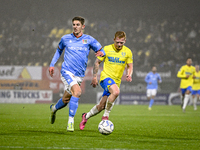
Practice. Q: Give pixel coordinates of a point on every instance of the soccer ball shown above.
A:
(106, 127)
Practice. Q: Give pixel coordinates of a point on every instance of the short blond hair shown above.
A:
(120, 34)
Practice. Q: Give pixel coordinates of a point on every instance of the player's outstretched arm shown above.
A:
(129, 72)
(94, 82)
(54, 60)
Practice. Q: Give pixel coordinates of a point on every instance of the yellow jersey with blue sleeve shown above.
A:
(115, 62)
(196, 82)
(183, 72)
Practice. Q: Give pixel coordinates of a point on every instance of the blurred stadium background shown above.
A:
(161, 33)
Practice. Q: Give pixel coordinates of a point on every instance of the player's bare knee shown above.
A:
(76, 93)
(116, 93)
(187, 92)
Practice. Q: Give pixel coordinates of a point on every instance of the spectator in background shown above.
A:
(153, 35)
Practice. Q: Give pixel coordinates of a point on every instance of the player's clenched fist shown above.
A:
(51, 71)
(99, 53)
(94, 82)
(128, 78)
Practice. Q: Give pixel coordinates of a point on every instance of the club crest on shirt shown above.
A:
(123, 54)
(84, 41)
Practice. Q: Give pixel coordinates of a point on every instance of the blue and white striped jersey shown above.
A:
(153, 78)
(76, 52)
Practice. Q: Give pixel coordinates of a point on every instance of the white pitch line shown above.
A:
(23, 147)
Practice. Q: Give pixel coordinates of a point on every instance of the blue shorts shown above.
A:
(194, 92)
(105, 84)
(188, 88)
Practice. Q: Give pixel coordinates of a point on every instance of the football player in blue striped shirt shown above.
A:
(77, 47)
(152, 79)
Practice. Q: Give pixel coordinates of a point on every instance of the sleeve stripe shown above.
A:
(100, 49)
(59, 48)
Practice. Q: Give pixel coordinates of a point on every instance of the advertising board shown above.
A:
(26, 96)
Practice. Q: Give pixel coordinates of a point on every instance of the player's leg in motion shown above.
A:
(194, 100)
(183, 91)
(182, 99)
(150, 97)
(94, 111)
(73, 106)
(114, 92)
(111, 91)
(151, 102)
(195, 97)
(186, 99)
(153, 94)
(59, 105)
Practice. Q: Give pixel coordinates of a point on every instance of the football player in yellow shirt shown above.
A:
(186, 73)
(117, 57)
(196, 87)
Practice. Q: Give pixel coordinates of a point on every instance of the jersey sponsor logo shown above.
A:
(84, 41)
(123, 54)
(77, 48)
(115, 60)
(188, 73)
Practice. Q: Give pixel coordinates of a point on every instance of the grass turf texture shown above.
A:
(27, 126)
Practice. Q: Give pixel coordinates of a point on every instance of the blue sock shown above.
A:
(60, 104)
(151, 102)
(73, 105)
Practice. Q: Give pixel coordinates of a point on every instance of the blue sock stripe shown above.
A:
(60, 104)
(73, 106)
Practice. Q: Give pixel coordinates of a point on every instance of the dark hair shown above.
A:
(188, 58)
(81, 19)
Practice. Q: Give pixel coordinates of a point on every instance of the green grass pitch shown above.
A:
(27, 126)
